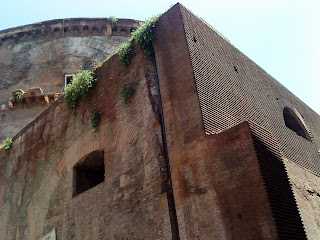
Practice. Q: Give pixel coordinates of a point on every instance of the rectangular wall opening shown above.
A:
(88, 172)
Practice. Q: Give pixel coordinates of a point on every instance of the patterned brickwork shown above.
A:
(281, 199)
(41, 54)
(36, 176)
(218, 187)
(232, 89)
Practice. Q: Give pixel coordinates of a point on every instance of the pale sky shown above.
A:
(281, 36)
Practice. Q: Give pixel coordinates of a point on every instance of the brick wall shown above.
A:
(228, 148)
(208, 87)
(213, 177)
(39, 55)
(232, 89)
(37, 174)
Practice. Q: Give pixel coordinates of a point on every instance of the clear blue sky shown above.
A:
(282, 36)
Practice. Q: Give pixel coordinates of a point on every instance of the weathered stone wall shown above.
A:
(212, 176)
(39, 55)
(306, 188)
(13, 120)
(44, 62)
(207, 87)
(232, 89)
(230, 179)
(37, 174)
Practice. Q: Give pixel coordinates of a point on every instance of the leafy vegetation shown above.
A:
(128, 90)
(7, 144)
(95, 119)
(79, 88)
(19, 96)
(125, 53)
(97, 63)
(112, 20)
(144, 38)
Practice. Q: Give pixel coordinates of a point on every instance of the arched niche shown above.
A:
(293, 120)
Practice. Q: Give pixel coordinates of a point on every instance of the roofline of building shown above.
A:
(65, 22)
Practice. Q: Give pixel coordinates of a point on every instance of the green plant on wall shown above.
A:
(79, 88)
(128, 90)
(19, 96)
(144, 38)
(125, 53)
(112, 20)
(95, 119)
(7, 144)
(97, 63)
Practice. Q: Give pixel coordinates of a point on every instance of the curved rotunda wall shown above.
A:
(41, 54)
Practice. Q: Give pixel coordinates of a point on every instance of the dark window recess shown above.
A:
(293, 122)
(69, 79)
(88, 172)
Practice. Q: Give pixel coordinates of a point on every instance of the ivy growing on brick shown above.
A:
(144, 39)
(95, 119)
(79, 88)
(125, 53)
(144, 36)
(7, 144)
(128, 90)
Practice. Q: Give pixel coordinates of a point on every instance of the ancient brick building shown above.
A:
(209, 147)
(39, 59)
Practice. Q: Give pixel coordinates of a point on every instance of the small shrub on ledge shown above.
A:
(112, 20)
(19, 96)
(144, 38)
(79, 88)
(7, 144)
(125, 53)
(97, 63)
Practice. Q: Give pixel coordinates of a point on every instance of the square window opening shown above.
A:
(88, 172)
(68, 79)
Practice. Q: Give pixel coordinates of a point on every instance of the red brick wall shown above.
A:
(218, 190)
(232, 89)
(219, 184)
(40, 54)
(37, 179)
